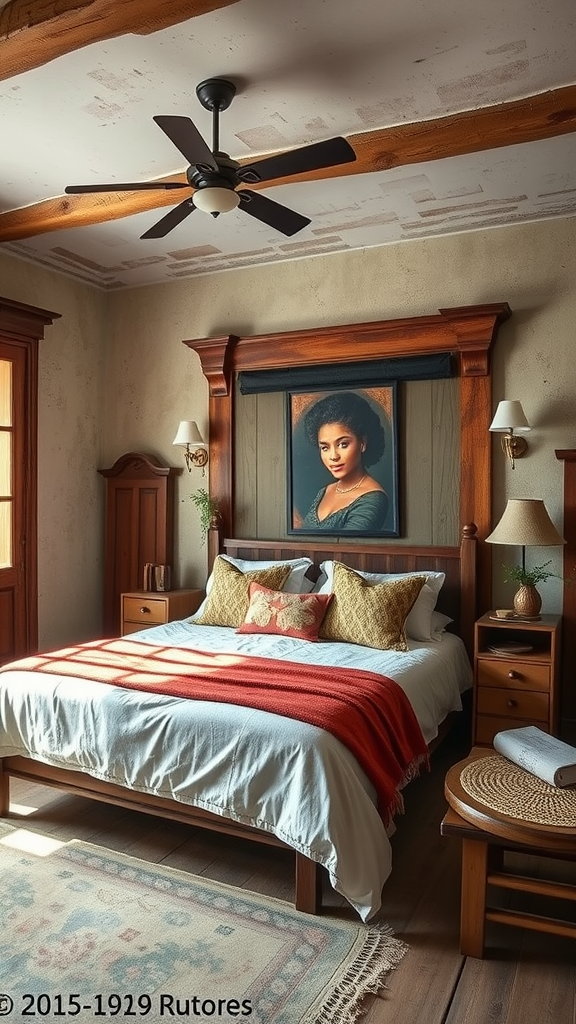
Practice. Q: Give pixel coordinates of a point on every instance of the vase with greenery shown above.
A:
(527, 600)
(208, 510)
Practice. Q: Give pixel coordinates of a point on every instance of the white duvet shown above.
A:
(286, 777)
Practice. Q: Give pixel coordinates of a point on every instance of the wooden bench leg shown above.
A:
(473, 907)
(308, 885)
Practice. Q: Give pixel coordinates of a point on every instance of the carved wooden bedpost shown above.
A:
(216, 361)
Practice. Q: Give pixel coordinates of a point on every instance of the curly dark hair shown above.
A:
(356, 413)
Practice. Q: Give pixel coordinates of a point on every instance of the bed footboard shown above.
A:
(308, 889)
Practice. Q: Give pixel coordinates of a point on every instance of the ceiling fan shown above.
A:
(215, 177)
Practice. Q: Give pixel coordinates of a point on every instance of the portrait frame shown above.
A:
(307, 475)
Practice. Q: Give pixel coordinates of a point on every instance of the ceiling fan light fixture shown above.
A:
(215, 200)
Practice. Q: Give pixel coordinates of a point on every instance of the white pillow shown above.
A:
(439, 624)
(419, 622)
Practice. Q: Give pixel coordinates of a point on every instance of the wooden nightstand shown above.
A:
(515, 689)
(142, 608)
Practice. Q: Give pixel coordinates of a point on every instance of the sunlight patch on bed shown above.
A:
(31, 842)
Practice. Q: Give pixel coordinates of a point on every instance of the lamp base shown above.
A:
(513, 446)
(195, 457)
(527, 602)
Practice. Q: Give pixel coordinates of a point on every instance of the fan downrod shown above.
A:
(216, 93)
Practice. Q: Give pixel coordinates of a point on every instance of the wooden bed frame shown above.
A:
(457, 600)
(468, 333)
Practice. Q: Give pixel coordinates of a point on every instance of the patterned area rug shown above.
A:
(87, 934)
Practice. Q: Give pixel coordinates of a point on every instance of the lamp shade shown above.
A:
(510, 416)
(526, 523)
(188, 435)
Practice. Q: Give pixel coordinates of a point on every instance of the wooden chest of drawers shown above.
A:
(142, 608)
(512, 689)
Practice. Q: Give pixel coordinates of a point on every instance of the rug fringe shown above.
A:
(380, 954)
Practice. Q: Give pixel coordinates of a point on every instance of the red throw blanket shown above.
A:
(367, 712)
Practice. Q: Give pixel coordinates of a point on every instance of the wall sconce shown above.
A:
(189, 437)
(509, 417)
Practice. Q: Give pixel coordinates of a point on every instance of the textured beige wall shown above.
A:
(71, 385)
(115, 376)
(153, 380)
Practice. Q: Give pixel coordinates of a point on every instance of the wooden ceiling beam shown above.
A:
(544, 116)
(34, 32)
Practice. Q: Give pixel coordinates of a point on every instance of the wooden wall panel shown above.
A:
(246, 463)
(416, 461)
(271, 490)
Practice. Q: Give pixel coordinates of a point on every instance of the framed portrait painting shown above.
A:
(342, 462)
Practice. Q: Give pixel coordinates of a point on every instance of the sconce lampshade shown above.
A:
(526, 523)
(509, 416)
(188, 435)
(509, 420)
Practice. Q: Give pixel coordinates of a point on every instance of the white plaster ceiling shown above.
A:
(306, 71)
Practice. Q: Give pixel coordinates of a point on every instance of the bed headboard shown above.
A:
(457, 597)
(467, 333)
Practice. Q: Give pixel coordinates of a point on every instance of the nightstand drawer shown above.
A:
(145, 611)
(488, 725)
(513, 704)
(516, 687)
(511, 674)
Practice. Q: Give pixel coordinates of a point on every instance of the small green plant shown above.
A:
(529, 577)
(208, 509)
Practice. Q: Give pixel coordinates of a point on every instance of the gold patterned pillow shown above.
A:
(227, 602)
(373, 616)
(295, 615)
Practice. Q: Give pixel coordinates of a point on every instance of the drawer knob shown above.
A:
(512, 674)
(144, 610)
(512, 703)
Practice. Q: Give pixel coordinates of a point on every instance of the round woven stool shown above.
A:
(497, 806)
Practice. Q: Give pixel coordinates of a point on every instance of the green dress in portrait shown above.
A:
(366, 514)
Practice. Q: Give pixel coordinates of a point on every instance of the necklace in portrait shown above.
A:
(346, 490)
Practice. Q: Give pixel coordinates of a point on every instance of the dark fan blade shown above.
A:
(171, 220)
(135, 186)
(308, 158)
(271, 213)
(186, 137)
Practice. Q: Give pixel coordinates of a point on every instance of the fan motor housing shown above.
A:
(201, 176)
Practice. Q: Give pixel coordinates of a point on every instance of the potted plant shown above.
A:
(208, 510)
(527, 600)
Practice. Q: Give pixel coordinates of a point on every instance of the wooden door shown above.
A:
(13, 591)
(21, 327)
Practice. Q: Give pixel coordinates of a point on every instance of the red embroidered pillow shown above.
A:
(275, 611)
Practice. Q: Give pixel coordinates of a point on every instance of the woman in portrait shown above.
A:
(349, 438)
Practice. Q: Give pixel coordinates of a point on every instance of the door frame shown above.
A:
(22, 326)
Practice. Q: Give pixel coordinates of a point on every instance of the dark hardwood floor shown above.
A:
(525, 977)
